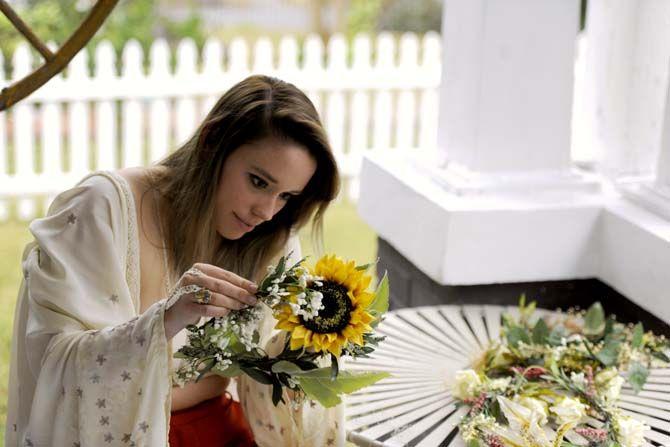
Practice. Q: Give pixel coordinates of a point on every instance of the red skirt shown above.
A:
(216, 422)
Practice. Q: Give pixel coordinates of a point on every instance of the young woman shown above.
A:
(126, 260)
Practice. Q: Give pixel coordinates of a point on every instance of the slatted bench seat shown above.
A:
(427, 345)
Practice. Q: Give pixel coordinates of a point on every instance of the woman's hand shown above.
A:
(195, 392)
(228, 291)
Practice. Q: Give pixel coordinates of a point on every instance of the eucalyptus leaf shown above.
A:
(594, 320)
(517, 334)
(637, 376)
(638, 334)
(556, 336)
(540, 332)
(318, 385)
(380, 303)
(609, 353)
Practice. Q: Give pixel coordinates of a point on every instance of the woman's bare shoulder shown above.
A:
(136, 176)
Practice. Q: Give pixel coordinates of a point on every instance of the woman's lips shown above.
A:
(243, 224)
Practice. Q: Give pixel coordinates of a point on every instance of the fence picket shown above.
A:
(212, 72)
(239, 58)
(263, 54)
(431, 56)
(106, 122)
(52, 139)
(78, 117)
(186, 105)
(132, 122)
(288, 58)
(383, 100)
(335, 116)
(313, 68)
(24, 139)
(406, 109)
(359, 113)
(159, 112)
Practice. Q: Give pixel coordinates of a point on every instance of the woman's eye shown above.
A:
(286, 196)
(257, 181)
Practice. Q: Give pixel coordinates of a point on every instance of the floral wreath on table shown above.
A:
(325, 313)
(555, 381)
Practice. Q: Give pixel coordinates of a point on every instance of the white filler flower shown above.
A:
(568, 410)
(466, 384)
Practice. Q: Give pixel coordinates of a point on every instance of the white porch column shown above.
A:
(506, 94)
(628, 81)
(503, 204)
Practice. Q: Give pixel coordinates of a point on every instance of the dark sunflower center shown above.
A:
(336, 312)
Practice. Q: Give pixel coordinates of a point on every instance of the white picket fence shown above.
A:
(376, 94)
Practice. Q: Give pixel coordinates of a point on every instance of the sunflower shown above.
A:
(344, 317)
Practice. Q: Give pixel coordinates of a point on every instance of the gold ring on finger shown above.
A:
(203, 296)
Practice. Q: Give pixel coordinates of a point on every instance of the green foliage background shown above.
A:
(56, 20)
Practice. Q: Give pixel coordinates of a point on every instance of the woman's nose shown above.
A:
(265, 208)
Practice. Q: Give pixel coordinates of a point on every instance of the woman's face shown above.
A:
(257, 181)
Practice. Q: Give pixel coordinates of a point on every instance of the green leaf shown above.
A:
(233, 370)
(473, 443)
(517, 334)
(318, 386)
(284, 366)
(661, 356)
(276, 391)
(609, 353)
(540, 332)
(208, 367)
(594, 320)
(637, 376)
(365, 266)
(638, 334)
(380, 304)
(258, 375)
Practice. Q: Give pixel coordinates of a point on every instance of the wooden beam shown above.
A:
(24, 29)
(19, 90)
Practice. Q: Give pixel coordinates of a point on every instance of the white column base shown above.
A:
(648, 194)
(457, 179)
(529, 233)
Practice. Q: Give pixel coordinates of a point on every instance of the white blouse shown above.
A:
(87, 369)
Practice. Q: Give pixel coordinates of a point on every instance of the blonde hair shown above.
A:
(256, 108)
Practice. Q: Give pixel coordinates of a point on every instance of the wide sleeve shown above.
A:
(291, 425)
(87, 370)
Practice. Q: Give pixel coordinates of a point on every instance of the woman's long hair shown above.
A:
(256, 108)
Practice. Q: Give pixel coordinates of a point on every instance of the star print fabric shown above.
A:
(86, 368)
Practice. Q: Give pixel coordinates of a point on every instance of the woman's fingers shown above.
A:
(224, 288)
(226, 276)
(220, 300)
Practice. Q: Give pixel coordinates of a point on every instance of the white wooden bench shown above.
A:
(424, 347)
